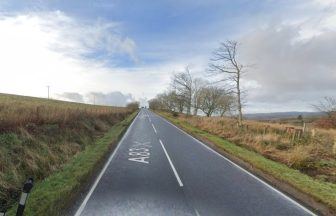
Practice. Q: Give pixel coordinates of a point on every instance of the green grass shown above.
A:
(323, 192)
(56, 192)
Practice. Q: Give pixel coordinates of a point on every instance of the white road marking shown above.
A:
(154, 128)
(82, 206)
(139, 152)
(172, 165)
(244, 170)
(197, 213)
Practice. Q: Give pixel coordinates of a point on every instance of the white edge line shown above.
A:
(154, 128)
(172, 165)
(244, 170)
(82, 206)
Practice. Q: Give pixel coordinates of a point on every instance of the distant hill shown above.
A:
(281, 115)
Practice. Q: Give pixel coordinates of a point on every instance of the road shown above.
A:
(157, 169)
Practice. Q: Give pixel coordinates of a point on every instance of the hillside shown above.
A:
(38, 136)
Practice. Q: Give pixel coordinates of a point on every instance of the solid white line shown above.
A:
(242, 169)
(197, 213)
(172, 165)
(154, 128)
(82, 206)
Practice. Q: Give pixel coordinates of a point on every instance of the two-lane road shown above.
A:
(157, 169)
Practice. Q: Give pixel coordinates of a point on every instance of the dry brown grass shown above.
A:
(16, 111)
(312, 154)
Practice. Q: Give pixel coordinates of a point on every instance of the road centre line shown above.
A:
(154, 128)
(172, 165)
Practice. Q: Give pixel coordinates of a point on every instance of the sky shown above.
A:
(113, 52)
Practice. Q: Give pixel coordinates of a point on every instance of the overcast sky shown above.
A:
(117, 51)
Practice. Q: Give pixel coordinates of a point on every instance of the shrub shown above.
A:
(326, 123)
(133, 105)
(175, 114)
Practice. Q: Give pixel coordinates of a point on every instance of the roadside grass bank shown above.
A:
(39, 136)
(318, 194)
(56, 193)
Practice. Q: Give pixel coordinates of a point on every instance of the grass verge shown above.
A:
(321, 192)
(55, 193)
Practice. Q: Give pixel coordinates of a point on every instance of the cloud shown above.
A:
(289, 71)
(115, 98)
(52, 48)
(76, 38)
(112, 98)
(71, 96)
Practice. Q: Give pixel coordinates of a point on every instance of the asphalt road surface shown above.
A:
(157, 169)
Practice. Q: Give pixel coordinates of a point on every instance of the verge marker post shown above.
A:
(25, 191)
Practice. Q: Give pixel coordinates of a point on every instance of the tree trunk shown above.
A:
(189, 103)
(240, 113)
(195, 111)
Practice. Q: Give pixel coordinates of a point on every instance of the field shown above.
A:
(313, 152)
(38, 137)
(306, 162)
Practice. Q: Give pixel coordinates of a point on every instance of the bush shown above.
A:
(326, 123)
(175, 114)
(300, 159)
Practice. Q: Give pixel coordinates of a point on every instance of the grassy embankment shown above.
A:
(58, 143)
(274, 153)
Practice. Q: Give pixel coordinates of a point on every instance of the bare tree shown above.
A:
(327, 106)
(209, 99)
(225, 104)
(178, 101)
(225, 63)
(168, 101)
(198, 84)
(182, 83)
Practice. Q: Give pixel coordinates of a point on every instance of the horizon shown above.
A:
(70, 101)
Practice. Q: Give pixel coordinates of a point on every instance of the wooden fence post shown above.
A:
(313, 132)
(293, 136)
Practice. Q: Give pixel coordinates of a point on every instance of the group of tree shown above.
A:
(192, 95)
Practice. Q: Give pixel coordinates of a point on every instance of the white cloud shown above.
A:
(40, 49)
(71, 96)
(112, 98)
